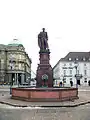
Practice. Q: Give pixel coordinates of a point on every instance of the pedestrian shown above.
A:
(71, 83)
(60, 84)
(89, 82)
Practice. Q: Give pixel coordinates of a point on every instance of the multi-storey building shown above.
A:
(15, 64)
(66, 69)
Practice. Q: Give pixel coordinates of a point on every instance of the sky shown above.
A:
(67, 23)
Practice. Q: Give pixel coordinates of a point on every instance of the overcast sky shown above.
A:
(66, 21)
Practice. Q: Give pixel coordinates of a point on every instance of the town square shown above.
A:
(44, 60)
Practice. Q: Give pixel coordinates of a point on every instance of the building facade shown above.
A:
(33, 79)
(15, 64)
(65, 70)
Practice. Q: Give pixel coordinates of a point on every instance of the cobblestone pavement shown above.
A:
(84, 97)
(82, 112)
(15, 113)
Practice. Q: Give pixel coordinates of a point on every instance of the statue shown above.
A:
(42, 40)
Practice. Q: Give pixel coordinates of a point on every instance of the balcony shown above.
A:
(70, 67)
(68, 75)
(64, 67)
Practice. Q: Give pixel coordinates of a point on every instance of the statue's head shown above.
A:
(43, 29)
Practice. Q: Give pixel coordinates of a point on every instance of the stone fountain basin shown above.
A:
(45, 94)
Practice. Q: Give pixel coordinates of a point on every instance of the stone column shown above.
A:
(15, 79)
(22, 78)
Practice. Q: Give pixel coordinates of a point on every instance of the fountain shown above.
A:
(44, 90)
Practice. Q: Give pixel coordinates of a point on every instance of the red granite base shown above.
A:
(45, 94)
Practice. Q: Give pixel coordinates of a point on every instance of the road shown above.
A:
(14, 113)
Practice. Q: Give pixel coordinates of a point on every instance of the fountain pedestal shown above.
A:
(44, 76)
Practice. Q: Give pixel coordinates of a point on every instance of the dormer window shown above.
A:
(70, 59)
(83, 59)
(76, 58)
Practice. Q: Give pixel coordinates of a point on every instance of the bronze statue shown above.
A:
(42, 40)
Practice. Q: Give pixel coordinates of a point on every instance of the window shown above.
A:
(64, 64)
(56, 70)
(64, 72)
(84, 64)
(20, 56)
(12, 56)
(70, 64)
(20, 67)
(64, 80)
(12, 61)
(83, 59)
(2, 61)
(70, 59)
(85, 72)
(70, 71)
(85, 80)
(76, 58)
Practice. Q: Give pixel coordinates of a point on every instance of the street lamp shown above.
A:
(77, 75)
(76, 66)
(63, 78)
(11, 82)
(63, 81)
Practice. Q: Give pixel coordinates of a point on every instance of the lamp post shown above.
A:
(62, 78)
(76, 66)
(77, 75)
(63, 81)
(11, 82)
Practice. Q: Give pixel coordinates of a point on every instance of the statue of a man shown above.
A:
(42, 40)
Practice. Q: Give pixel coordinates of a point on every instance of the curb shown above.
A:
(6, 103)
(75, 105)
